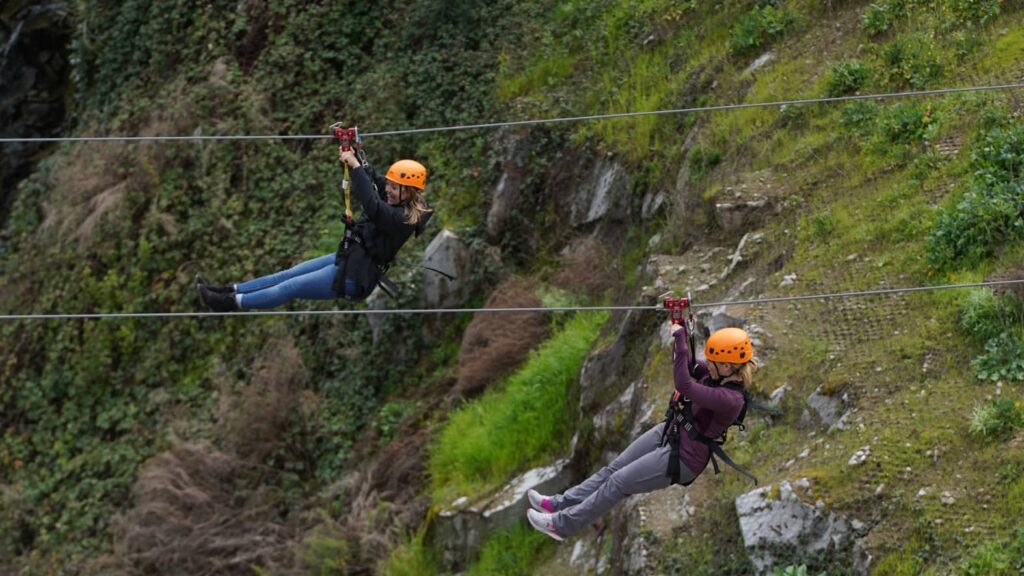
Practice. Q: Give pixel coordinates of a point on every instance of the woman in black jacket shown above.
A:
(391, 214)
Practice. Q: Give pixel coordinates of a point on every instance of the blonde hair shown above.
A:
(745, 371)
(416, 207)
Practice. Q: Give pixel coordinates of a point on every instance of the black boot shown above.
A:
(217, 302)
(215, 288)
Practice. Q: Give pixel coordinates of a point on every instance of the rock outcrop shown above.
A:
(446, 253)
(779, 526)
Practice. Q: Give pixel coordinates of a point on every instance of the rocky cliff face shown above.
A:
(33, 85)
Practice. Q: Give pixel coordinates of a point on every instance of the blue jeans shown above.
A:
(313, 279)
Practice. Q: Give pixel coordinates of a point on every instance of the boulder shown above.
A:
(378, 300)
(447, 253)
(603, 190)
(462, 527)
(507, 194)
(779, 528)
(827, 409)
(740, 215)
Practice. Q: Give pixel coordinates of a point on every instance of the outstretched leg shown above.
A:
(312, 280)
(642, 475)
(270, 280)
(646, 443)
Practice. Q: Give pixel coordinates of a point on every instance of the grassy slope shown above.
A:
(904, 363)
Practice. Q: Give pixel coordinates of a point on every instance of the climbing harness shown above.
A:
(680, 417)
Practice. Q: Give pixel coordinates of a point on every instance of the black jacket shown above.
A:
(380, 232)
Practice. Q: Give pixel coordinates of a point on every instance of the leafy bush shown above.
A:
(991, 212)
(1003, 359)
(910, 62)
(488, 440)
(846, 78)
(759, 27)
(701, 161)
(880, 18)
(997, 418)
(971, 231)
(986, 316)
(970, 13)
(905, 123)
(859, 117)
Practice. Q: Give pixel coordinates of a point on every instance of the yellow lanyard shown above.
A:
(345, 185)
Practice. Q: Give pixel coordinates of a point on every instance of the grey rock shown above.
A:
(653, 203)
(449, 254)
(602, 191)
(462, 526)
(827, 408)
(507, 194)
(723, 320)
(778, 529)
(759, 62)
(739, 215)
(378, 300)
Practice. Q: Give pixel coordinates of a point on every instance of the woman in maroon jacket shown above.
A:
(716, 399)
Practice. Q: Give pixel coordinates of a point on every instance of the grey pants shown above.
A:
(640, 468)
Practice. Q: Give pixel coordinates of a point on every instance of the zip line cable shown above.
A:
(652, 307)
(939, 91)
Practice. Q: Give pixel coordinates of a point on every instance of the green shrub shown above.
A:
(884, 16)
(859, 117)
(701, 161)
(986, 316)
(971, 231)
(998, 418)
(510, 552)
(760, 27)
(970, 13)
(846, 78)
(998, 155)
(822, 225)
(880, 18)
(991, 212)
(1003, 359)
(910, 62)
(488, 440)
(905, 123)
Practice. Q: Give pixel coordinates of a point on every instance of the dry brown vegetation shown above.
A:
(587, 269)
(201, 510)
(197, 512)
(495, 343)
(255, 422)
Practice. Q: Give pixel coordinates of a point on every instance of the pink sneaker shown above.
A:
(542, 523)
(539, 502)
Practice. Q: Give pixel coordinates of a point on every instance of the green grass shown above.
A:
(517, 425)
(511, 552)
(412, 558)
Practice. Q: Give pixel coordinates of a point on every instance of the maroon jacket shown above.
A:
(714, 408)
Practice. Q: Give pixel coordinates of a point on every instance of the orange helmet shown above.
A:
(408, 173)
(729, 345)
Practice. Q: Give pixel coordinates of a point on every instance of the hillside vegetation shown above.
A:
(312, 445)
